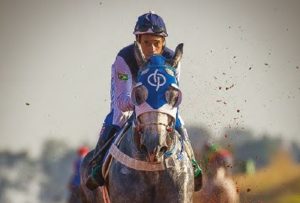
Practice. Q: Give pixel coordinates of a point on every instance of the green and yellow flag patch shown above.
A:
(123, 76)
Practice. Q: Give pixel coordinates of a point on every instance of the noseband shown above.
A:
(139, 131)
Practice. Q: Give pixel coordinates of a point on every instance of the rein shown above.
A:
(168, 162)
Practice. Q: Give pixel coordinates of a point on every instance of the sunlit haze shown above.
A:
(240, 66)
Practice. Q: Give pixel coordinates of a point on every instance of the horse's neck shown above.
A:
(216, 173)
(221, 173)
(221, 177)
(128, 147)
(225, 182)
(220, 188)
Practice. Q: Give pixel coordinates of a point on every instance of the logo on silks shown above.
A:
(157, 77)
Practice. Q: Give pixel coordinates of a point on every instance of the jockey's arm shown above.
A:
(122, 85)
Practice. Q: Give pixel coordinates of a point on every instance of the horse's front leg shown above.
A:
(175, 186)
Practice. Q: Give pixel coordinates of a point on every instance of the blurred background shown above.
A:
(240, 81)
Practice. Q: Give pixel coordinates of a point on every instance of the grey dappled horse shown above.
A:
(219, 185)
(155, 168)
(149, 162)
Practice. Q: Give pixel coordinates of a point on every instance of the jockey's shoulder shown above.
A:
(126, 51)
(168, 53)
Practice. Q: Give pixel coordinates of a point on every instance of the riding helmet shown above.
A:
(150, 23)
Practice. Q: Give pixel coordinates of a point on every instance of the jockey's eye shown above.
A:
(173, 96)
(139, 95)
(156, 44)
(150, 43)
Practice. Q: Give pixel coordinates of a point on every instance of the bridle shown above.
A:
(139, 126)
(139, 130)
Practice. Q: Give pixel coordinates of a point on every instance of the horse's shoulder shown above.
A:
(168, 53)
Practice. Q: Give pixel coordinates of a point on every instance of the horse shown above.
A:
(148, 161)
(219, 185)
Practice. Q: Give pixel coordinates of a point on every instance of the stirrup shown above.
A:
(197, 169)
(197, 176)
(95, 179)
(91, 183)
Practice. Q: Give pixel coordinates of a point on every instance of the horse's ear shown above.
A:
(138, 53)
(177, 56)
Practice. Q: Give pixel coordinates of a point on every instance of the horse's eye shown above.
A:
(173, 96)
(139, 95)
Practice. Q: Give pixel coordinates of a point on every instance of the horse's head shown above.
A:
(156, 97)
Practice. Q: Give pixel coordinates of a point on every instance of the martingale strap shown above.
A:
(140, 165)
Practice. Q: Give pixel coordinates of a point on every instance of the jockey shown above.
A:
(81, 153)
(214, 157)
(150, 31)
(74, 182)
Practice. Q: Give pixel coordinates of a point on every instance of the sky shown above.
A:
(240, 66)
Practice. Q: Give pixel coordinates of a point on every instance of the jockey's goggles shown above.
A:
(145, 27)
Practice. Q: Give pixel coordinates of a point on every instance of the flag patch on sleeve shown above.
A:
(123, 76)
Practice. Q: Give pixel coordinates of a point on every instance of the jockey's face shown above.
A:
(151, 44)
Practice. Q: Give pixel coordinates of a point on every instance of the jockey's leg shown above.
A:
(188, 147)
(96, 179)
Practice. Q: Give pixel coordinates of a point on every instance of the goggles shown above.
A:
(145, 27)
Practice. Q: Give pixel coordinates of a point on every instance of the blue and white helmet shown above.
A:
(150, 23)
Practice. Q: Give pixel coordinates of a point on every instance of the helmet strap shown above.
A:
(164, 44)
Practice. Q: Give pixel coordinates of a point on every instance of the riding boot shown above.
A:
(96, 179)
(188, 147)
